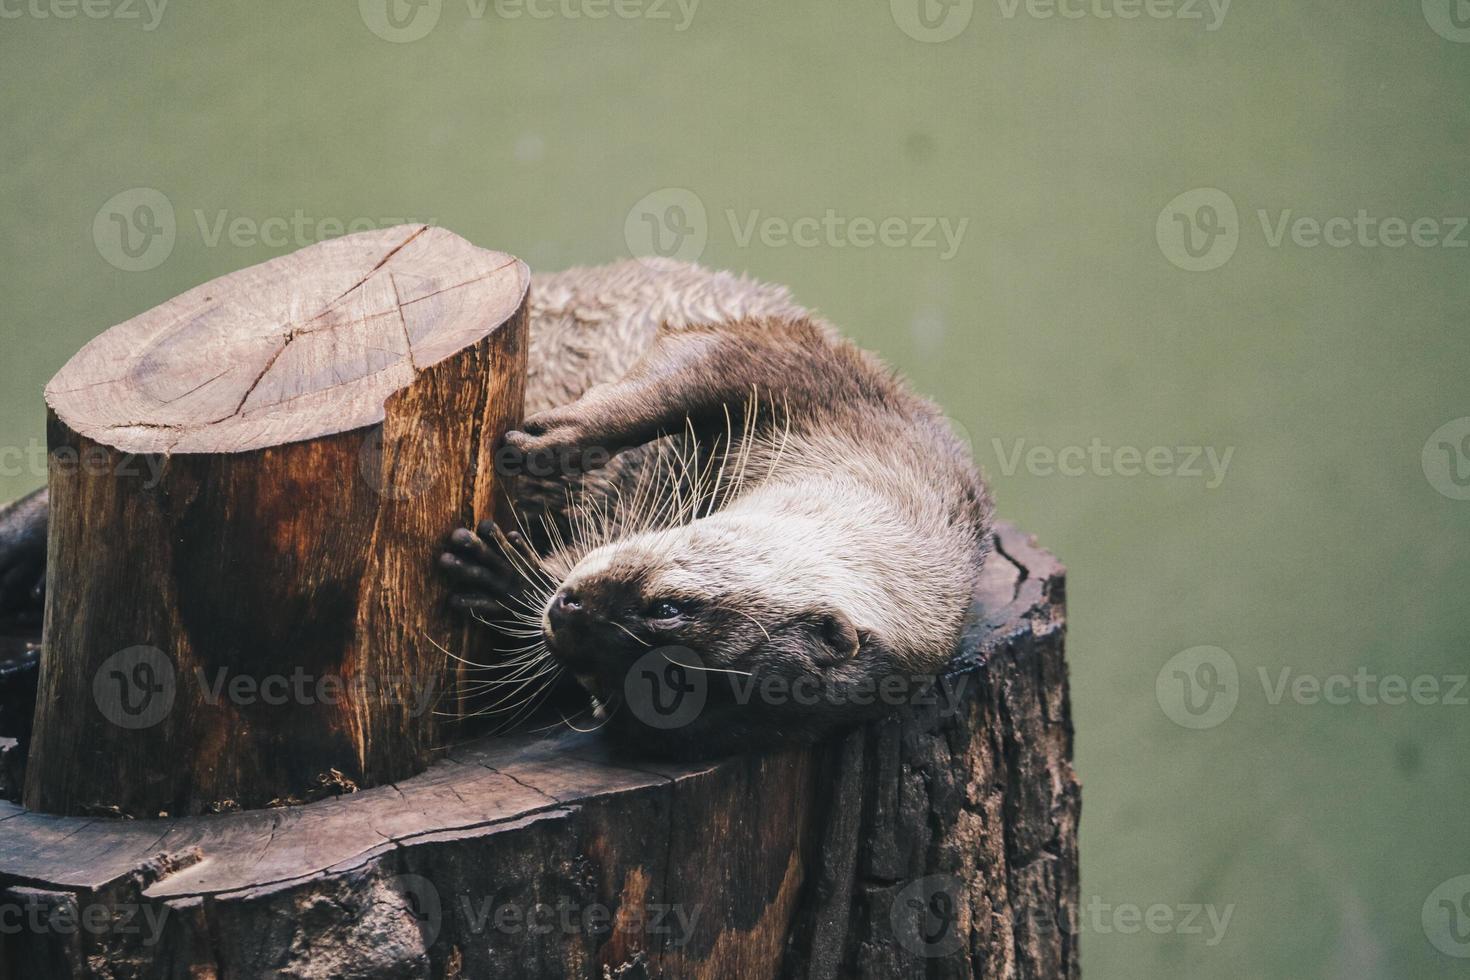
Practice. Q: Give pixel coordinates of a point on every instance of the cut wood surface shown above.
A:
(247, 484)
(941, 842)
(303, 346)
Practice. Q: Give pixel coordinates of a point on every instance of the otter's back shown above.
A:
(590, 325)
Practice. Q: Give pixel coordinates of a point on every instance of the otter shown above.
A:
(734, 528)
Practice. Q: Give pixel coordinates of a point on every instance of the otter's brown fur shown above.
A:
(763, 497)
(806, 513)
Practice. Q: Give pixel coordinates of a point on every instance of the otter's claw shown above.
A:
(486, 569)
(557, 442)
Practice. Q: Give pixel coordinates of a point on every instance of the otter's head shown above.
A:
(721, 633)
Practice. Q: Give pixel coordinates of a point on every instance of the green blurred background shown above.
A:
(1334, 543)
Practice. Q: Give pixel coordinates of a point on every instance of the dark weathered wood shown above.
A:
(941, 842)
(245, 487)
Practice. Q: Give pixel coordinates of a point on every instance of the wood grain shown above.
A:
(941, 842)
(247, 484)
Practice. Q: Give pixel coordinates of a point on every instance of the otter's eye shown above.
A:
(664, 609)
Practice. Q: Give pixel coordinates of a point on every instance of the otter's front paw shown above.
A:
(490, 570)
(23, 560)
(554, 443)
(22, 588)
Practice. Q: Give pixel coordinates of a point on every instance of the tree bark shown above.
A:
(247, 484)
(941, 842)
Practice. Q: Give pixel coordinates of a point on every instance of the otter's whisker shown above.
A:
(554, 724)
(724, 457)
(635, 636)
(587, 731)
(530, 572)
(497, 625)
(742, 612)
(517, 634)
(532, 609)
(780, 452)
(518, 658)
(529, 647)
(712, 670)
(531, 701)
(495, 707)
(553, 533)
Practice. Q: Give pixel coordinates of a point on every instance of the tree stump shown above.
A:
(246, 487)
(941, 842)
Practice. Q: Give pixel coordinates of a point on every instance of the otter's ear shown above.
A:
(838, 636)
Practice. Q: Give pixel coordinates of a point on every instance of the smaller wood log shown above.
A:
(246, 487)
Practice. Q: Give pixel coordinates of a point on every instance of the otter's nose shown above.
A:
(566, 607)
